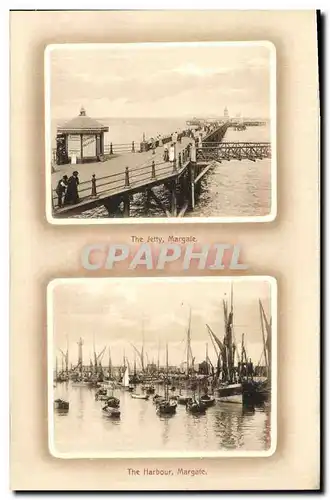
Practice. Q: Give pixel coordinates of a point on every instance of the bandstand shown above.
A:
(80, 140)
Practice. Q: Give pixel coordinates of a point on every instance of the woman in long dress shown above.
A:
(71, 195)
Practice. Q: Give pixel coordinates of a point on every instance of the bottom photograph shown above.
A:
(162, 367)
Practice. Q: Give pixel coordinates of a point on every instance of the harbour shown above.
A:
(216, 400)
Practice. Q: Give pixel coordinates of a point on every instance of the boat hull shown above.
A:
(232, 393)
(111, 412)
(234, 398)
(208, 402)
(165, 408)
(140, 396)
(196, 408)
(60, 404)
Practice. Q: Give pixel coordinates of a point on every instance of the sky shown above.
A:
(120, 312)
(160, 81)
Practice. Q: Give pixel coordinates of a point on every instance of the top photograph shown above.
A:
(160, 132)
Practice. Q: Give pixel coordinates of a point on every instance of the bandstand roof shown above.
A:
(82, 123)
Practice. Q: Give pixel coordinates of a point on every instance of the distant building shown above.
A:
(226, 113)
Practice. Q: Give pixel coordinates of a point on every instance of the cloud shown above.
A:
(116, 313)
(164, 81)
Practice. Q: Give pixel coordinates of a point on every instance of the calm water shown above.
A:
(126, 130)
(224, 426)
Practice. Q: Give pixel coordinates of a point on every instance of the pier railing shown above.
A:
(133, 146)
(150, 173)
(129, 178)
(226, 151)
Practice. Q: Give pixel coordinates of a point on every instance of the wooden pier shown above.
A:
(142, 172)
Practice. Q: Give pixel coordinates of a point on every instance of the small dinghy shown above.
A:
(140, 396)
(101, 395)
(158, 399)
(111, 412)
(207, 400)
(196, 407)
(113, 402)
(61, 404)
(166, 407)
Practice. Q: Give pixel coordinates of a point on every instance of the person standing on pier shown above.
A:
(60, 190)
(71, 195)
(172, 153)
(192, 151)
(165, 154)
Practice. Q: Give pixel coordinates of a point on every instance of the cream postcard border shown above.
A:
(152, 454)
(173, 220)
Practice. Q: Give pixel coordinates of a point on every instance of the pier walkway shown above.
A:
(113, 183)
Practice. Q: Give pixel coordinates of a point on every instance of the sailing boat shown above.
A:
(125, 379)
(193, 405)
(183, 400)
(229, 391)
(259, 390)
(166, 406)
(205, 398)
(111, 407)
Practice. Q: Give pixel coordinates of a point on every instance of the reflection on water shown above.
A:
(225, 426)
(233, 188)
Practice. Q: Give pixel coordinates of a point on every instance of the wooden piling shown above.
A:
(127, 205)
(112, 204)
(174, 166)
(173, 199)
(191, 182)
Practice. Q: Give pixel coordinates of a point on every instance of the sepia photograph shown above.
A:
(162, 367)
(160, 132)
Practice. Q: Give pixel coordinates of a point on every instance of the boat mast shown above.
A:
(134, 364)
(207, 356)
(166, 385)
(142, 350)
(188, 342)
(158, 359)
(230, 337)
(94, 354)
(67, 356)
(56, 369)
(263, 335)
(110, 364)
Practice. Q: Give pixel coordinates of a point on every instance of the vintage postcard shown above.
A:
(160, 132)
(192, 376)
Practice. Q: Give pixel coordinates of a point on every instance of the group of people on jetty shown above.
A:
(67, 187)
(67, 190)
(169, 154)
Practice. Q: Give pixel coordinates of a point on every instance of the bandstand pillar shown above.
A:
(81, 148)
